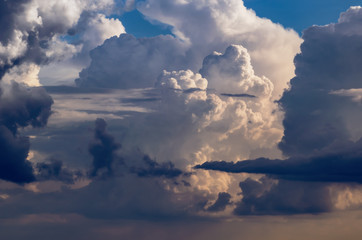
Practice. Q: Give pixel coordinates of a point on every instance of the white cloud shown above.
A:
(38, 32)
(212, 25)
(232, 73)
(182, 80)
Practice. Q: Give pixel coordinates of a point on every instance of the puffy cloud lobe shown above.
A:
(94, 28)
(189, 125)
(9, 11)
(221, 202)
(233, 73)
(350, 21)
(20, 107)
(329, 63)
(14, 151)
(200, 27)
(103, 150)
(26, 73)
(213, 25)
(34, 30)
(127, 62)
(181, 80)
(30, 32)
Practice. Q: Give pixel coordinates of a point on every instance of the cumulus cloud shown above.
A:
(233, 73)
(127, 62)
(182, 80)
(221, 202)
(329, 62)
(214, 107)
(200, 28)
(322, 134)
(103, 150)
(39, 32)
(19, 108)
(189, 124)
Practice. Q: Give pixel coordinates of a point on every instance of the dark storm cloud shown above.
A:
(103, 149)
(9, 10)
(222, 201)
(13, 153)
(20, 107)
(264, 197)
(55, 170)
(345, 166)
(154, 169)
(330, 60)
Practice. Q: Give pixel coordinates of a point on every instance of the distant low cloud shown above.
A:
(55, 170)
(265, 197)
(103, 149)
(221, 202)
(154, 169)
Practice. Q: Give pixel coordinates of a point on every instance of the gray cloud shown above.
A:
(103, 149)
(343, 166)
(221, 202)
(264, 197)
(55, 170)
(19, 108)
(8, 13)
(154, 169)
(329, 61)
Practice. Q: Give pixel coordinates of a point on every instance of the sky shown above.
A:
(203, 119)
